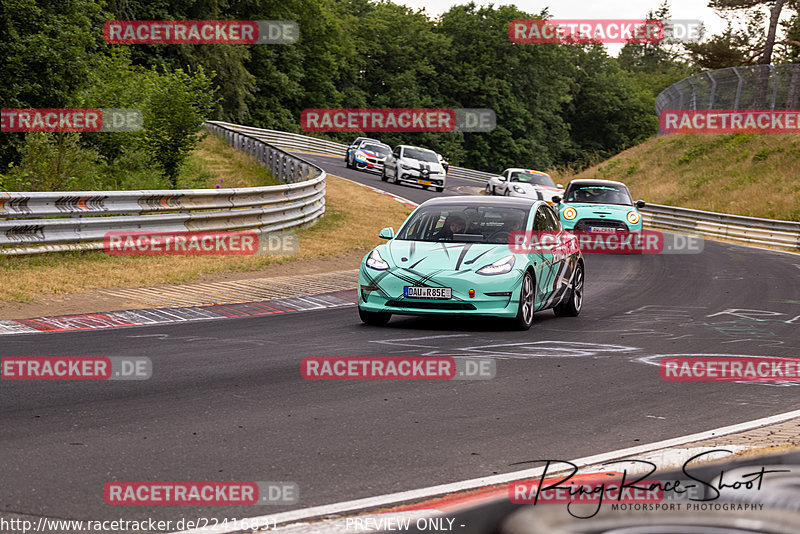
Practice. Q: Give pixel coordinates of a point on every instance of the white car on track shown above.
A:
(414, 165)
(525, 183)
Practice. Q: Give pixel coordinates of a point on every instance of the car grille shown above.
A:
(585, 224)
(430, 305)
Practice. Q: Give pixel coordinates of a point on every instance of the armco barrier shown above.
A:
(77, 220)
(765, 232)
(306, 143)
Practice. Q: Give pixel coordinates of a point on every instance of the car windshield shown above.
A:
(376, 149)
(599, 194)
(420, 154)
(464, 224)
(530, 178)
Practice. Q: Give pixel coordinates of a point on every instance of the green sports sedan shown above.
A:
(455, 256)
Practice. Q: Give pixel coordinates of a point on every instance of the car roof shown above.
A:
(528, 171)
(480, 200)
(375, 142)
(417, 147)
(591, 181)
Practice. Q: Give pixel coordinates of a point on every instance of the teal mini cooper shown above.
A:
(454, 256)
(599, 206)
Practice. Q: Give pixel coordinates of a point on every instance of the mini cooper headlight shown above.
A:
(570, 214)
(518, 189)
(374, 261)
(501, 266)
(633, 217)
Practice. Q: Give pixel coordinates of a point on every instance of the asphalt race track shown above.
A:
(227, 402)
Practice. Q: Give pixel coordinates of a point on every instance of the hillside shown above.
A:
(757, 175)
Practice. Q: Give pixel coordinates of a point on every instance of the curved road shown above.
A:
(227, 402)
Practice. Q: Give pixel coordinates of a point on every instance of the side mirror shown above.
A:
(559, 186)
(640, 204)
(556, 199)
(502, 178)
(386, 233)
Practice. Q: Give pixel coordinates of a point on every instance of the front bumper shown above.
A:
(369, 164)
(414, 176)
(382, 291)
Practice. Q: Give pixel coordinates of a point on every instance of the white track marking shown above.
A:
(433, 491)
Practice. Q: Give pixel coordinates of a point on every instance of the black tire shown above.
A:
(374, 318)
(397, 176)
(524, 318)
(488, 191)
(439, 189)
(349, 164)
(506, 193)
(384, 178)
(572, 306)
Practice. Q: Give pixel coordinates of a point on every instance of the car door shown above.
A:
(503, 185)
(546, 279)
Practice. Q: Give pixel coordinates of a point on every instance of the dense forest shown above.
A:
(556, 105)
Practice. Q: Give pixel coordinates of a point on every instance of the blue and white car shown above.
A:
(348, 155)
(370, 156)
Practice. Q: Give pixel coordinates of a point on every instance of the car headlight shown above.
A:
(501, 266)
(570, 214)
(406, 167)
(633, 217)
(360, 154)
(374, 261)
(518, 189)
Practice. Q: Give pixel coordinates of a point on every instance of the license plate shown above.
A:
(423, 182)
(428, 292)
(602, 230)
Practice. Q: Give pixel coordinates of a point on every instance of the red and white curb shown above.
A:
(444, 498)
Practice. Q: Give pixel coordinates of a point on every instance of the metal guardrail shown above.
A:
(306, 143)
(766, 232)
(78, 220)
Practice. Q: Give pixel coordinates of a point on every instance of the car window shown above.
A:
(375, 149)
(552, 220)
(532, 178)
(420, 155)
(540, 223)
(464, 223)
(599, 194)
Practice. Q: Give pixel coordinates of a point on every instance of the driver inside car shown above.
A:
(453, 224)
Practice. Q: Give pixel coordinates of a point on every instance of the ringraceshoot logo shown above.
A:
(398, 120)
(70, 120)
(201, 32)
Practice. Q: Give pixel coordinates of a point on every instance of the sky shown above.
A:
(591, 9)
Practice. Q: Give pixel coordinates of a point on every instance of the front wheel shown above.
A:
(384, 178)
(374, 318)
(524, 318)
(572, 307)
(488, 190)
